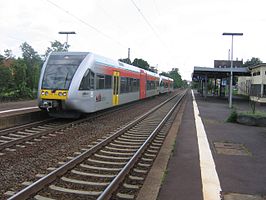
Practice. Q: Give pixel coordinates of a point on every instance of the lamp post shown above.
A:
(231, 69)
(66, 33)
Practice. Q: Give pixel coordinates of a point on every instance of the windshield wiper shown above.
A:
(66, 80)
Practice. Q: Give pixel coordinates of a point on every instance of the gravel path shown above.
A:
(24, 164)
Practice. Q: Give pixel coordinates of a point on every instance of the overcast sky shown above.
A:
(166, 33)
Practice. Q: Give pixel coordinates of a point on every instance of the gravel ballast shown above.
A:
(23, 164)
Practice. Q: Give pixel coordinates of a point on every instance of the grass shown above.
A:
(232, 117)
(164, 176)
(257, 114)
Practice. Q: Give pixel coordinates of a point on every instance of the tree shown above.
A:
(33, 62)
(56, 46)
(141, 63)
(19, 69)
(125, 60)
(6, 79)
(254, 61)
(174, 74)
(165, 74)
(8, 54)
(2, 58)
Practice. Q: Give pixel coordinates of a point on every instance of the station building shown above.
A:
(254, 85)
(248, 81)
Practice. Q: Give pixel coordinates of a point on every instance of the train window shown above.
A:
(99, 81)
(137, 84)
(134, 85)
(60, 70)
(87, 82)
(129, 84)
(148, 86)
(123, 85)
(152, 85)
(92, 79)
(108, 82)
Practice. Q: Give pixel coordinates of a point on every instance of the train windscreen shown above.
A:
(60, 70)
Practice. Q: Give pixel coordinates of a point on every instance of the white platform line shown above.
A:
(211, 187)
(18, 109)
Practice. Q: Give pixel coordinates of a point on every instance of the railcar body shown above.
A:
(83, 82)
(166, 84)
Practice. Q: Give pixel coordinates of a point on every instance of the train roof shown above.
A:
(114, 63)
(107, 61)
(166, 78)
(69, 53)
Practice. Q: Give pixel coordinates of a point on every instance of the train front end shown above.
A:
(56, 77)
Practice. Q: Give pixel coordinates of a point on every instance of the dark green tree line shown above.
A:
(252, 62)
(175, 75)
(19, 77)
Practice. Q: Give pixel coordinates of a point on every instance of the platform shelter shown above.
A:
(216, 81)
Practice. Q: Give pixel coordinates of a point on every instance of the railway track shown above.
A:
(20, 136)
(99, 171)
(27, 134)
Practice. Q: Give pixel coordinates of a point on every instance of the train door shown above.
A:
(116, 84)
(142, 91)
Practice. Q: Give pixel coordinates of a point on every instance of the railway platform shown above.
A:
(18, 113)
(212, 159)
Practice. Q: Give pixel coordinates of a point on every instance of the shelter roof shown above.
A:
(202, 72)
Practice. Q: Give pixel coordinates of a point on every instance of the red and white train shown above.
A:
(82, 82)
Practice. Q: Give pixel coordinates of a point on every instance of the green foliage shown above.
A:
(6, 79)
(33, 62)
(254, 61)
(19, 68)
(19, 77)
(256, 114)
(141, 63)
(165, 74)
(2, 58)
(174, 74)
(232, 117)
(125, 60)
(185, 84)
(56, 46)
(8, 53)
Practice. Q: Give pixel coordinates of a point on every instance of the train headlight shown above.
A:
(60, 94)
(46, 93)
(43, 93)
(64, 93)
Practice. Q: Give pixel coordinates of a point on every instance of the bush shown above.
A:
(232, 117)
(256, 114)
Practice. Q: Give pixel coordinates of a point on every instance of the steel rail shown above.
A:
(49, 178)
(46, 132)
(30, 137)
(24, 126)
(112, 187)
